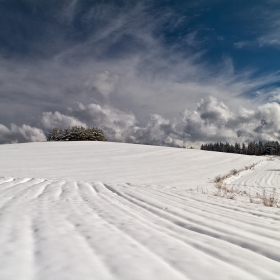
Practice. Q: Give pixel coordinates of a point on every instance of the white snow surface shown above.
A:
(101, 210)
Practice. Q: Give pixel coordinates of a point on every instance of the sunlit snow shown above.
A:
(101, 210)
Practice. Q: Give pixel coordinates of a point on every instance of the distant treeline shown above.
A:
(253, 148)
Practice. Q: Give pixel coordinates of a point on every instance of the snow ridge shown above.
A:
(68, 229)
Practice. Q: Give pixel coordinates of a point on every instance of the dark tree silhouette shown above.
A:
(253, 148)
(76, 133)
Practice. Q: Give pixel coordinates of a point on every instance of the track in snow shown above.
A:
(266, 176)
(53, 229)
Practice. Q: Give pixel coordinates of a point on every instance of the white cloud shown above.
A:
(139, 73)
(270, 114)
(158, 131)
(103, 82)
(117, 124)
(212, 121)
(57, 120)
(272, 39)
(211, 110)
(24, 133)
(269, 27)
(241, 44)
(120, 74)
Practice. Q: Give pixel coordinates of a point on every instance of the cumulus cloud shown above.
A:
(118, 124)
(20, 134)
(212, 121)
(270, 117)
(57, 120)
(158, 131)
(116, 56)
(116, 64)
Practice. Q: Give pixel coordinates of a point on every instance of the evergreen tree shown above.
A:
(253, 148)
(76, 133)
(261, 148)
(244, 149)
(237, 148)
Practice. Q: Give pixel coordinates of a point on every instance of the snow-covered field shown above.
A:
(100, 210)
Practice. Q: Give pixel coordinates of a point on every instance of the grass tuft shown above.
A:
(267, 200)
(234, 172)
(223, 190)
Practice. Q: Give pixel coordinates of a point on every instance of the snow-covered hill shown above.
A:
(95, 210)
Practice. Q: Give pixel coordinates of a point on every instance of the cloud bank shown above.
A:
(211, 121)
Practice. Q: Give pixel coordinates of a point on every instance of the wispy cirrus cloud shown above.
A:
(242, 44)
(263, 27)
(128, 71)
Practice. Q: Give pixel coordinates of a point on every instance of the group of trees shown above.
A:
(76, 133)
(79, 133)
(253, 148)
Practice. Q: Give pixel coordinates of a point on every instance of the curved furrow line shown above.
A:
(159, 226)
(204, 218)
(11, 186)
(25, 185)
(236, 226)
(205, 227)
(120, 251)
(227, 206)
(118, 227)
(261, 180)
(5, 180)
(23, 191)
(270, 173)
(41, 191)
(249, 245)
(181, 255)
(53, 191)
(266, 176)
(16, 241)
(190, 210)
(58, 248)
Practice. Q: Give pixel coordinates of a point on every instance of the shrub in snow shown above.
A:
(76, 133)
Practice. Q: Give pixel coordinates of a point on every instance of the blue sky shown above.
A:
(152, 72)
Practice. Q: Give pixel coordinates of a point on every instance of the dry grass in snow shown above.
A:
(111, 211)
(226, 190)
